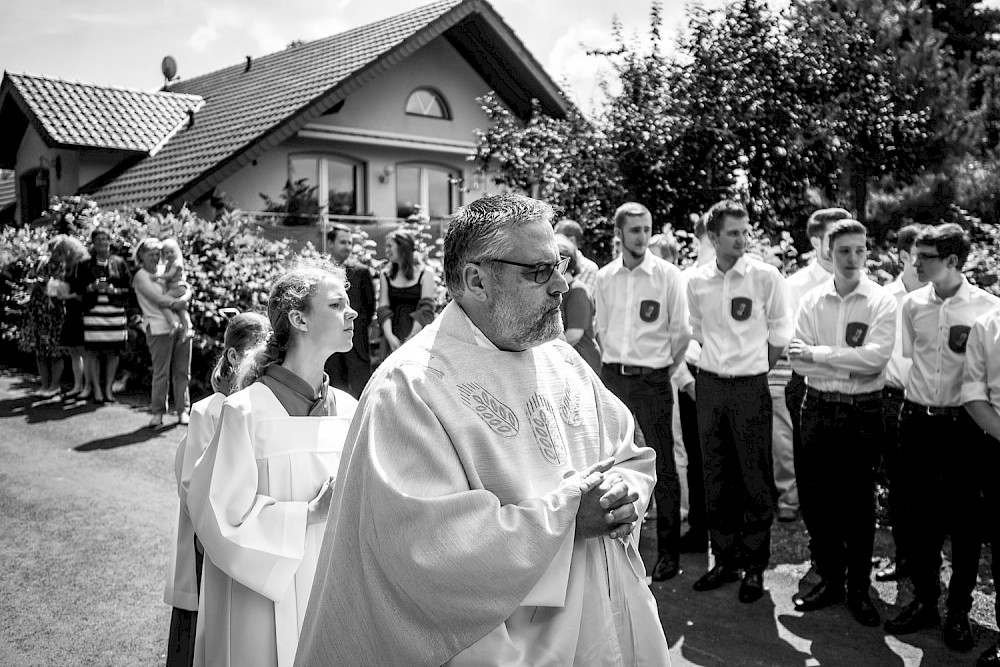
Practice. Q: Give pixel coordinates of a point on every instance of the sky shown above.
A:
(122, 42)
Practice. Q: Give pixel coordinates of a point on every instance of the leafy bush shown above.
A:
(228, 263)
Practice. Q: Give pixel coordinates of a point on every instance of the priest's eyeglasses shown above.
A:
(541, 273)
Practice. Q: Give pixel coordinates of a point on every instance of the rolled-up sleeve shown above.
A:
(780, 326)
(975, 379)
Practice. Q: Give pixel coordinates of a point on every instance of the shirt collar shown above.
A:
(864, 288)
(295, 383)
(817, 272)
(482, 340)
(739, 267)
(964, 292)
(646, 265)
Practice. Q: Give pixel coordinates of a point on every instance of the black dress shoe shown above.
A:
(893, 571)
(716, 577)
(915, 616)
(666, 568)
(859, 603)
(752, 588)
(990, 657)
(823, 594)
(957, 632)
(694, 543)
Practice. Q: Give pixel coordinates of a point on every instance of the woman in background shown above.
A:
(41, 329)
(75, 257)
(578, 309)
(106, 281)
(244, 331)
(260, 494)
(406, 296)
(170, 350)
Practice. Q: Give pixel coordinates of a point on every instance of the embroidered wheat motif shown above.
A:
(569, 406)
(542, 419)
(490, 409)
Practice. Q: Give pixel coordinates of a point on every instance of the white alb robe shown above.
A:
(248, 501)
(453, 537)
(181, 589)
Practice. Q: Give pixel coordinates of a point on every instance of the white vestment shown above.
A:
(181, 589)
(248, 501)
(453, 537)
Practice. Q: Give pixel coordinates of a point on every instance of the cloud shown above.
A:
(271, 27)
(216, 20)
(578, 71)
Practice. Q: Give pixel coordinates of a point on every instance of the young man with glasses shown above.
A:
(642, 325)
(740, 315)
(939, 442)
(844, 334)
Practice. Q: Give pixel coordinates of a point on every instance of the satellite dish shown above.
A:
(169, 68)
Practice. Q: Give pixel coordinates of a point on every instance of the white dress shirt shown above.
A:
(736, 314)
(852, 337)
(981, 379)
(642, 313)
(935, 335)
(804, 281)
(899, 366)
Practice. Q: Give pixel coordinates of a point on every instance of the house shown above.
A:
(373, 121)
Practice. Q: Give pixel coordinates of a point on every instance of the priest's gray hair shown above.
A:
(484, 229)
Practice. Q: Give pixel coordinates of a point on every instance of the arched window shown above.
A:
(426, 102)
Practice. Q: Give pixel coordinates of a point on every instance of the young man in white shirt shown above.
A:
(981, 397)
(793, 498)
(892, 397)
(933, 483)
(844, 334)
(643, 328)
(739, 314)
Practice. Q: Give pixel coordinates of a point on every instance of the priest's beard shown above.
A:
(522, 328)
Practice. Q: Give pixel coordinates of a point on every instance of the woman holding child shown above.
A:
(260, 494)
(169, 347)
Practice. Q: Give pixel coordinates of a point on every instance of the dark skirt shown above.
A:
(72, 329)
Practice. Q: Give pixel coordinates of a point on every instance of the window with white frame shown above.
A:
(334, 181)
(430, 186)
(427, 102)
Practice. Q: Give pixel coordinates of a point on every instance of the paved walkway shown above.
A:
(705, 629)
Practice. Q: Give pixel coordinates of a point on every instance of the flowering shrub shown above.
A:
(228, 264)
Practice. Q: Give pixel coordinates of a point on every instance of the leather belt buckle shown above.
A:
(629, 371)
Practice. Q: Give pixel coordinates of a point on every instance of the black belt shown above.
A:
(723, 376)
(950, 411)
(631, 371)
(893, 392)
(846, 399)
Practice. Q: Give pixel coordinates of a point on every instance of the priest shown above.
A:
(488, 495)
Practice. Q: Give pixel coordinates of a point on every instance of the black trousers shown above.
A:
(892, 402)
(840, 443)
(651, 401)
(941, 462)
(348, 372)
(991, 507)
(697, 519)
(795, 393)
(734, 421)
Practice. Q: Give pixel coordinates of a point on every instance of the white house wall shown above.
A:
(379, 109)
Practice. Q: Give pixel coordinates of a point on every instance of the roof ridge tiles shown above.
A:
(101, 86)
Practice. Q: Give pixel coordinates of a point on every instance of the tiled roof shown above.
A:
(254, 110)
(69, 113)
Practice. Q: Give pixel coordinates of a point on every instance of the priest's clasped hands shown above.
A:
(608, 504)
